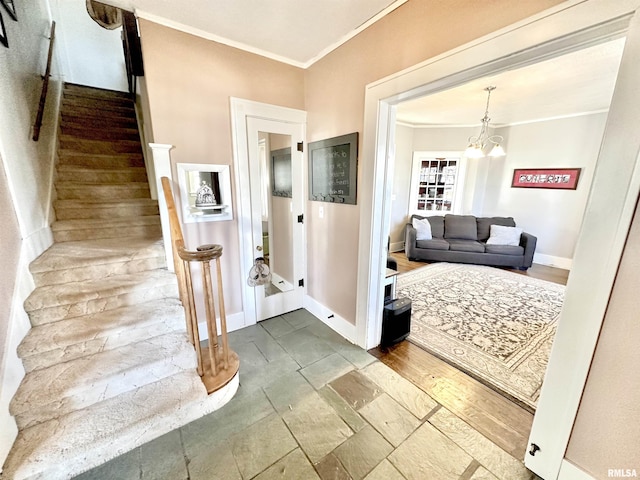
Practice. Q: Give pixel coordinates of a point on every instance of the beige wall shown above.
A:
(28, 164)
(189, 81)
(25, 165)
(335, 87)
(605, 434)
(554, 216)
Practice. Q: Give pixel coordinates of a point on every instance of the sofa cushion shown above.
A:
(437, 225)
(423, 228)
(433, 244)
(466, 246)
(484, 225)
(504, 249)
(461, 227)
(504, 235)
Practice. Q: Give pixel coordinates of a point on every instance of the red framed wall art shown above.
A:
(554, 178)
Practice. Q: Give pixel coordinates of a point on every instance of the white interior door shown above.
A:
(277, 191)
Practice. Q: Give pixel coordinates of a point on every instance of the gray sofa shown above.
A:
(462, 239)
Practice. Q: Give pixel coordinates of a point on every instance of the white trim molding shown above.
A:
(396, 247)
(332, 320)
(11, 368)
(552, 261)
(568, 471)
(241, 112)
(162, 168)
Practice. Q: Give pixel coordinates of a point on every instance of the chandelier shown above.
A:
(478, 144)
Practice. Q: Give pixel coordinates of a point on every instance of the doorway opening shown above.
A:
(509, 49)
(271, 187)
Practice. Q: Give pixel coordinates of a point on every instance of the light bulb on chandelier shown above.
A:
(478, 143)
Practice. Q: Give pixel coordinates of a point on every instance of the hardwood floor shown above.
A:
(499, 419)
(542, 272)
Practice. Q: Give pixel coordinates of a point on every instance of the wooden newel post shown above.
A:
(217, 363)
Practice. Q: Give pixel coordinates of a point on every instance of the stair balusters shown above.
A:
(217, 363)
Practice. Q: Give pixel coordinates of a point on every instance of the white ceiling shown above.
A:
(298, 32)
(572, 84)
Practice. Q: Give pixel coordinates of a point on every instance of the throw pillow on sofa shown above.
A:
(461, 227)
(423, 229)
(504, 235)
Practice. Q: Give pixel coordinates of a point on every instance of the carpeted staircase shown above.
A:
(109, 366)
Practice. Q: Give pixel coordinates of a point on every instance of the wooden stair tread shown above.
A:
(102, 223)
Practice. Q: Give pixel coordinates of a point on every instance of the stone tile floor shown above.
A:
(312, 406)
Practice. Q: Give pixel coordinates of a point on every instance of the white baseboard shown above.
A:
(551, 261)
(396, 247)
(11, 368)
(235, 321)
(331, 319)
(568, 471)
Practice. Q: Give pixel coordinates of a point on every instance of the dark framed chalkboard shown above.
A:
(281, 181)
(333, 169)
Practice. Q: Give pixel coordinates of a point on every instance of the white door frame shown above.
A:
(567, 27)
(241, 110)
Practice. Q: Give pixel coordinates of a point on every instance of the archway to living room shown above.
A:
(487, 58)
(478, 314)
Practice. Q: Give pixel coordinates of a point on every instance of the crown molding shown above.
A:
(215, 38)
(263, 53)
(355, 32)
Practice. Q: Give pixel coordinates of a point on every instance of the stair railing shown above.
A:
(45, 85)
(217, 363)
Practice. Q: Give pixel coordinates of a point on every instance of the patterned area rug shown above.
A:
(496, 325)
